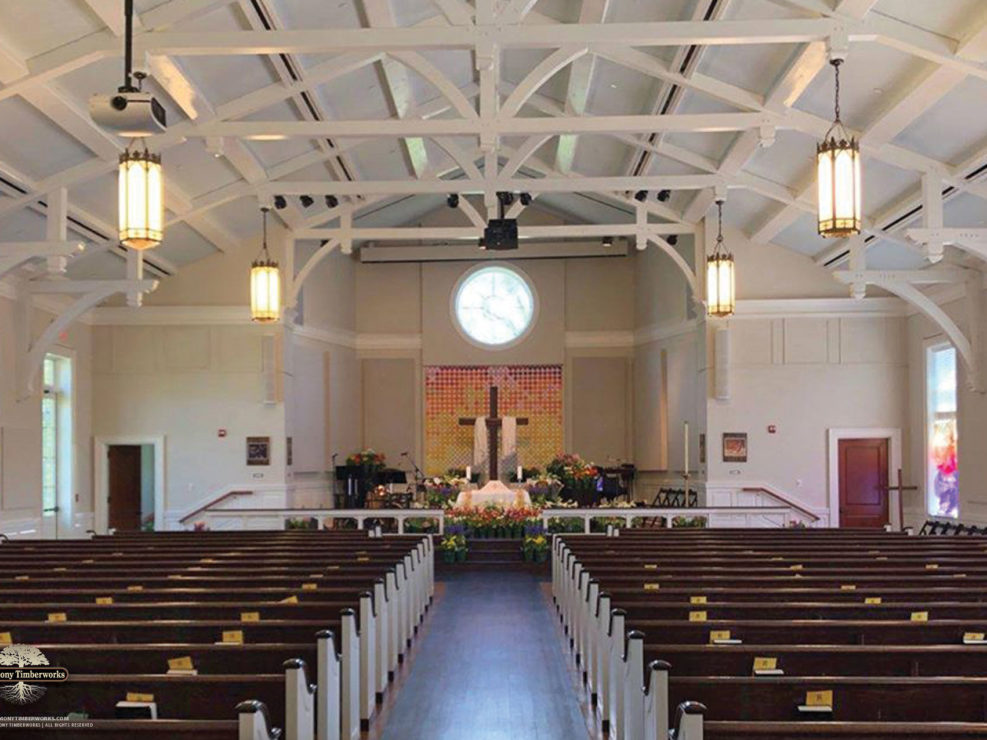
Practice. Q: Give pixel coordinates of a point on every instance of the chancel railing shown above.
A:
(712, 517)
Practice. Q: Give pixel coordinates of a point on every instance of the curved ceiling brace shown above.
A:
(537, 77)
(15, 254)
(298, 280)
(416, 62)
(472, 214)
(677, 258)
(91, 293)
(902, 283)
(521, 154)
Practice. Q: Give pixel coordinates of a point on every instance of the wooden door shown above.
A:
(863, 482)
(125, 487)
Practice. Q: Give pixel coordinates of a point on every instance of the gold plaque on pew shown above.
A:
(651, 566)
(959, 575)
(22, 578)
(310, 586)
(796, 566)
(652, 586)
(289, 600)
(104, 600)
(363, 559)
(872, 600)
(932, 566)
(316, 575)
(848, 587)
(89, 560)
(233, 637)
(180, 664)
(136, 697)
(135, 588)
(208, 560)
(6, 638)
(57, 617)
(974, 638)
(249, 616)
(697, 599)
(920, 616)
(697, 616)
(59, 570)
(332, 567)
(819, 700)
(766, 667)
(722, 637)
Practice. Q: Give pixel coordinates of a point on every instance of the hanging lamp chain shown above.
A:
(128, 47)
(264, 253)
(836, 66)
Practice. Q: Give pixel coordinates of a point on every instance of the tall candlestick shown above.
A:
(686, 447)
(469, 473)
(520, 473)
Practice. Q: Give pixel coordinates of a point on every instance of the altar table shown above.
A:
(494, 493)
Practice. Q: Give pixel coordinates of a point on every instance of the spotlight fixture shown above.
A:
(306, 200)
(505, 197)
(332, 201)
(664, 195)
(280, 202)
(525, 199)
(453, 200)
(641, 195)
(265, 284)
(838, 167)
(482, 244)
(673, 239)
(720, 285)
(608, 241)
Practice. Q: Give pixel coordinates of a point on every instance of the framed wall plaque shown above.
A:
(735, 447)
(258, 450)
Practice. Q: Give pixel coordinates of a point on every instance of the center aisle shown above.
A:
(490, 667)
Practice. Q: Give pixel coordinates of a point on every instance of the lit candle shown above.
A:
(686, 447)
(469, 473)
(520, 473)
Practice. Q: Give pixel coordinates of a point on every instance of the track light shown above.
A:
(664, 195)
(453, 200)
(306, 200)
(608, 241)
(641, 195)
(505, 198)
(332, 201)
(280, 202)
(482, 244)
(673, 239)
(525, 199)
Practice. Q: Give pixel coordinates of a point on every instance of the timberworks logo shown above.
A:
(22, 669)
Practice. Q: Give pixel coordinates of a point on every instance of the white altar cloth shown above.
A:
(495, 493)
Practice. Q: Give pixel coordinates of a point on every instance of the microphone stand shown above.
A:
(419, 474)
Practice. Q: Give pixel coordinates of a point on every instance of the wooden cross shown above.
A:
(494, 423)
(900, 488)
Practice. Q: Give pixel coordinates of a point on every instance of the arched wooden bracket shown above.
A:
(971, 240)
(659, 241)
(296, 281)
(902, 283)
(15, 254)
(90, 293)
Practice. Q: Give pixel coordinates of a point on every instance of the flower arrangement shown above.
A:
(542, 488)
(493, 521)
(695, 522)
(368, 459)
(563, 524)
(440, 489)
(573, 471)
(600, 523)
(200, 526)
(301, 523)
(535, 547)
(454, 547)
(796, 524)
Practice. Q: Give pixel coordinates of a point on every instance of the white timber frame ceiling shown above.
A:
(497, 123)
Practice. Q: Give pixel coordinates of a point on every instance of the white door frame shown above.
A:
(893, 435)
(101, 468)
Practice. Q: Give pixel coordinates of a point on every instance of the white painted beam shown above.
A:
(453, 233)
(928, 276)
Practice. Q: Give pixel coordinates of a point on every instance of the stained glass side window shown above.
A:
(942, 475)
(49, 436)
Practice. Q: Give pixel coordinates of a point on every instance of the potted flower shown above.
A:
(542, 488)
(440, 490)
(535, 546)
(371, 461)
(454, 547)
(578, 477)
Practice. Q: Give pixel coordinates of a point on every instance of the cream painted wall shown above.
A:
(20, 430)
(186, 383)
(390, 406)
(389, 298)
(806, 376)
(599, 389)
(599, 294)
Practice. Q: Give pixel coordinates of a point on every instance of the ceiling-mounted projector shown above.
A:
(129, 113)
(501, 234)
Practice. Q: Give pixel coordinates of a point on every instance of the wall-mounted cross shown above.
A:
(494, 423)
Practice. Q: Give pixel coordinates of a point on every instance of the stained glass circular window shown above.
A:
(494, 306)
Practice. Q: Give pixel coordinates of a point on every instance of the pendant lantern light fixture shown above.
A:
(721, 299)
(140, 183)
(265, 284)
(838, 167)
